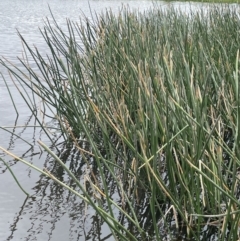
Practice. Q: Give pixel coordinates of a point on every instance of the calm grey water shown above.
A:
(50, 213)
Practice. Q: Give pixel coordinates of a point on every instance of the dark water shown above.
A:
(51, 213)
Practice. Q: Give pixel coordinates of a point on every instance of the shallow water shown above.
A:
(51, 213)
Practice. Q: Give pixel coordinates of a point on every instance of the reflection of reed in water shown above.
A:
(18, 134)
(51, 205)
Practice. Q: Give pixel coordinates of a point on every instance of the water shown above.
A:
(51, 213)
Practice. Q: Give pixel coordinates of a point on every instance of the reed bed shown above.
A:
(153, 100)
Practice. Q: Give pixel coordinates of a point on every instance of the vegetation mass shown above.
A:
(151, 99)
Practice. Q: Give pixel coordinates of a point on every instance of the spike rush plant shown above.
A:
(153, 99)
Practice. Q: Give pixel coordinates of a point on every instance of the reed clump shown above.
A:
(153, 99)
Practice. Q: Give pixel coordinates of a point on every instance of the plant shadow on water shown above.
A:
(149, 111)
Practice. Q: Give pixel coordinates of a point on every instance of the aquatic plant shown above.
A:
(153, 100)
